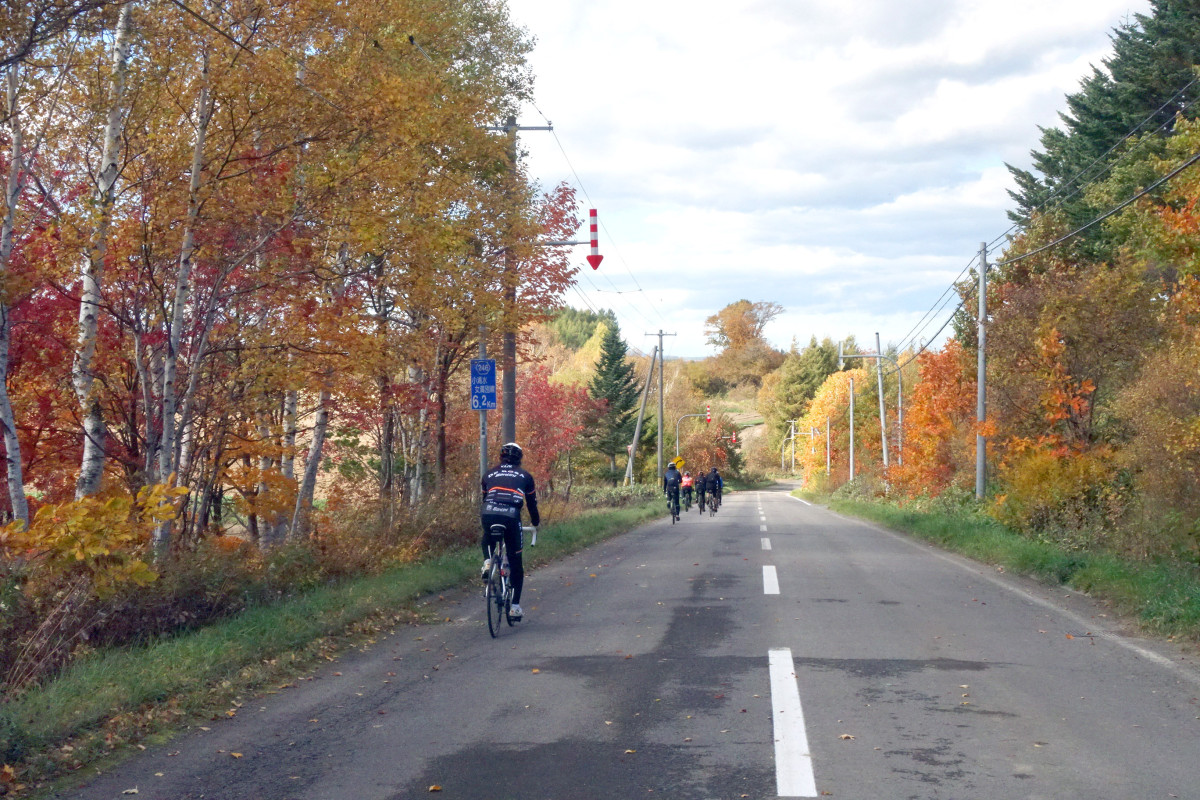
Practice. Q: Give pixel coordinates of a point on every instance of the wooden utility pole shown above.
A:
(637, 428)
(508, 345)
(981, 381)
(661, 367)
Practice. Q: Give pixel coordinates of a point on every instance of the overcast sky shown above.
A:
(843, 158)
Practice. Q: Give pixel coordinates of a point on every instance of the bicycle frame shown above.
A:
(497, 590)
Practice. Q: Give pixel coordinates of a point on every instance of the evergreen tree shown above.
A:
(614, 384)
(1154, 58)
(574, 327)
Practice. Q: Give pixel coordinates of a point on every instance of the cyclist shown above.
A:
(506, 488)
(671, 481)
(685, 486)
(701, 483)
(715, 484)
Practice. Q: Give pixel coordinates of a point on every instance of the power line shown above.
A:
(1120, 207)
(588, 197)
(1079, 188)
(1128, 153)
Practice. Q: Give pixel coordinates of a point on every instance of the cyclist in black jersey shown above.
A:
(671, 481)
(701, 483)
(715, 484)
(506, 489)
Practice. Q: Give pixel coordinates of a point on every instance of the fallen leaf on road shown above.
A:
(1069, 636)
(630, 752)
(337, 674)
(535, 670)
(845, 736)
(158, 774)
(592, 575)
(435, 788)
(130, 791)
(236, 755)
(688, 739)
(607, 722)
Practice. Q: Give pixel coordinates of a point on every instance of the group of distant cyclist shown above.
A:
(707, 488)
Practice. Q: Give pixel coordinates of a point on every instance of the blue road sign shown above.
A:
(483, 384)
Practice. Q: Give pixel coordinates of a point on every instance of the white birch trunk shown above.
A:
(82, 378)
(290, 400)
(16, 179)
(167, 462)
(301, 518)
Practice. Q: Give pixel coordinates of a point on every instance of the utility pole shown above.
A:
(882, 414)
(661, 369)
(793, 446)
(508, 348)
(981, 380)
(879, 354)
(852, 429)
(637, 429)
(827, 451)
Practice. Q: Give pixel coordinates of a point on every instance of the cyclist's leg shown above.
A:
(514, 542)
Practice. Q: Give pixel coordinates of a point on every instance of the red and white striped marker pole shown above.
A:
(594, 258)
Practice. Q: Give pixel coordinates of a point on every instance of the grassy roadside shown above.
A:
(1163, 598)
(111, 699)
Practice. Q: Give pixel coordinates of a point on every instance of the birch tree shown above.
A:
(82, 377)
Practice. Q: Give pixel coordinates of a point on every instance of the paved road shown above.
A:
(773, 650)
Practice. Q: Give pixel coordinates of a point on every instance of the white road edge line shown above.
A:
(797, 498)
(770, 580)
(793, 760)
(766, 543)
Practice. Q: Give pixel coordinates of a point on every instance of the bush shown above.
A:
(615, 496)
(1071, 499)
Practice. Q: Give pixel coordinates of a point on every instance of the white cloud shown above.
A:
(844, 159)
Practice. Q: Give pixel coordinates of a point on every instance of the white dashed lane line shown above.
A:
(766, 543)
(762, 527)
(793, 760)
(770, 580)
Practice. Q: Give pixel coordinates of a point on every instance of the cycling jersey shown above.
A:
(506, 489)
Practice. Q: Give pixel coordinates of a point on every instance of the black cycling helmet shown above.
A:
(511, 453)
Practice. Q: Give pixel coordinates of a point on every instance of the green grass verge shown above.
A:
(200, 671)
(1163, 598)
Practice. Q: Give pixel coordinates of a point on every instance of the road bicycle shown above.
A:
(673, 507)
(713, 502)
(702, 503)
(497, 591)
(687, 502)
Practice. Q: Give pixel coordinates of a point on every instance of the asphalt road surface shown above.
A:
(775, 649)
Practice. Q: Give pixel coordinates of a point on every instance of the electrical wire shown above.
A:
(588, 197)
(911, 335)
(1114, 210)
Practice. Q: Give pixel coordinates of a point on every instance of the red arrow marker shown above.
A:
(595, 258)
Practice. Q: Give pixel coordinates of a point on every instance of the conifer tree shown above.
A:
(1149, 75)
(615, 387)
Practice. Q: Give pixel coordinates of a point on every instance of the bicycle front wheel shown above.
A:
(493, 595)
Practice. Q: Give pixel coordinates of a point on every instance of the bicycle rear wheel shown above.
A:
(493, 595)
